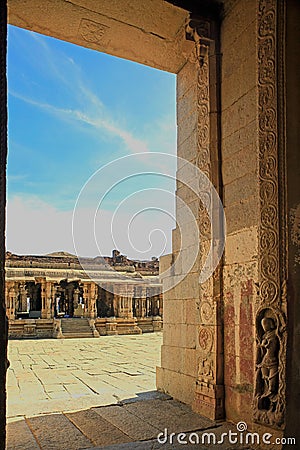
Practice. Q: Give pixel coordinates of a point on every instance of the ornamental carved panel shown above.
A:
(269, 393)
(209, 384)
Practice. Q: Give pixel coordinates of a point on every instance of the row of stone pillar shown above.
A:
(44, 298)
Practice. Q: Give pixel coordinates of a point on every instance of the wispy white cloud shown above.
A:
(91, 109)
(133, 144)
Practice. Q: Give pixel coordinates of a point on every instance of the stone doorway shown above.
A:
(206, 362)
(69, 299)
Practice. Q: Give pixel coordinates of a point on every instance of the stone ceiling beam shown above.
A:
(133, 32)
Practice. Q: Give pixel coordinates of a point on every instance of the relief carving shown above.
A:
(205, 339)
(267, 365)
(209, 388)
(269, 399)
(270, 383)
(92, 31)
(205, 363)
(206, 311)
(205, 369)
(268, 153)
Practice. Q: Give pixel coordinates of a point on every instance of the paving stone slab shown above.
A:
(130, 424)
(99, 431)
(57, 432)
(169, 414)
(19, 437)
(56, 362)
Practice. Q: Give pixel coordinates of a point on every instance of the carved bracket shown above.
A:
(199, 31)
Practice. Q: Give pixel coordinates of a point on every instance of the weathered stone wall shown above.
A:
(178, 371)
(241, 202)
(223, 329)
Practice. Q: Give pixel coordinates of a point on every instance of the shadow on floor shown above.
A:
(150, 421)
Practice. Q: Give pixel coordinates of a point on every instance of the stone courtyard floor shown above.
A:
(54, 375)
(77, 394)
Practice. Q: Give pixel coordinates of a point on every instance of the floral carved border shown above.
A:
(270, 409)
(209, 392)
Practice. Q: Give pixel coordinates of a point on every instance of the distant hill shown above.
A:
(61, 255)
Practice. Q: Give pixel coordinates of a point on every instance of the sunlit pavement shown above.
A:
(59, 392)
(55, 375)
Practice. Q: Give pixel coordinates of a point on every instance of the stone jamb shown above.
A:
(269, 401)
(209, 390)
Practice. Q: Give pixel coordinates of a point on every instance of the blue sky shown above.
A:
(71, 112)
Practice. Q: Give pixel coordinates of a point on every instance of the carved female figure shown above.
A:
(268, 365)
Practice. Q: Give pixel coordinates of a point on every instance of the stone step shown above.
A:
(75, 323)
(81, 330)
(76, 328)
(77, 335)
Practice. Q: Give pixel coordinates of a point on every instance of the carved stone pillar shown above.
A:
(77, 308)
(11, 294)
(140, 299)
(269, 402)
(156, 302)
(123, 297)
(23, 298)
(50, 299)
(76, 298)
(55, 299)
(87, 296)
(43, 283)
(161, 304)
(93, 299)
(129, 297)
(109, 299)
(115, 300)
(144, 303)
(209, 389)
